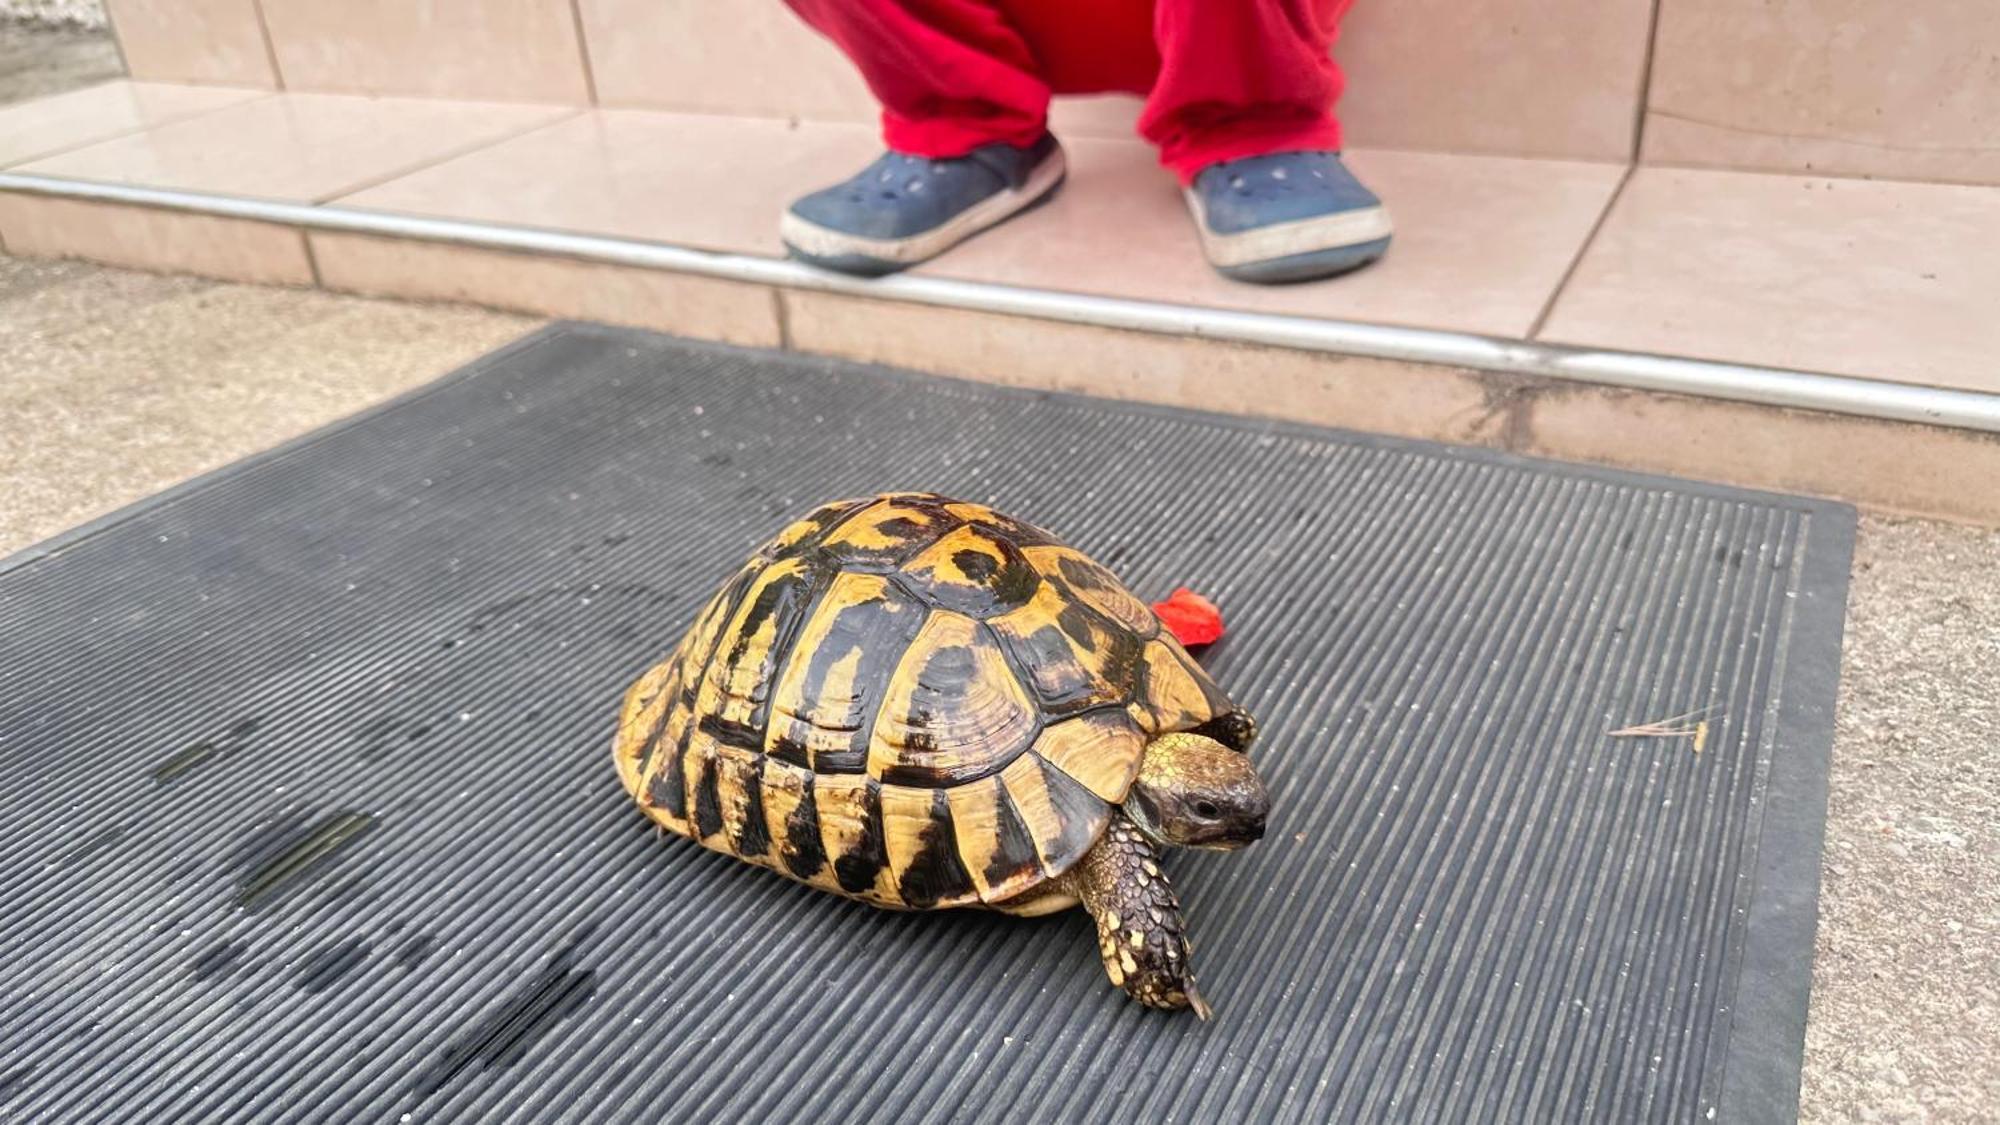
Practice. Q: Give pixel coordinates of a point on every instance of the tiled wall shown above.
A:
(216, 41)
(721, 56)
(1879, 88)
(1517, 77)
(504, 50)
(1845, 87)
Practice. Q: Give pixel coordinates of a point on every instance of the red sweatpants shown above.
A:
(1223, 79)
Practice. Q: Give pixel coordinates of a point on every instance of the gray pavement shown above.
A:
(114, 384)
(1905, 1019)
(61, 13)
(37, 60)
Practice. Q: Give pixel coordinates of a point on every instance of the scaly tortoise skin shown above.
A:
(921, 703)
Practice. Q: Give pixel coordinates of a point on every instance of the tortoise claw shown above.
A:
(1201, 1009)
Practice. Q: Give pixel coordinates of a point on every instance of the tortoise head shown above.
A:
(1194, 792)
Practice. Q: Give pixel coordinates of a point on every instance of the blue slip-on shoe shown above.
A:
(904, 209)
(1287, 216)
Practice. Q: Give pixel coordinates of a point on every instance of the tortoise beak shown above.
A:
(1244, 818)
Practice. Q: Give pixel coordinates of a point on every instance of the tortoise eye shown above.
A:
(1206, 810)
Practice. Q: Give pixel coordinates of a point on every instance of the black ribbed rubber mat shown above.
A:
(309, 814)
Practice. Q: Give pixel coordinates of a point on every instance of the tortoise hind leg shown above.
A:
(1140, 933)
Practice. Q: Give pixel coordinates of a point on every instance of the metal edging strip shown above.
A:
(1770, 386)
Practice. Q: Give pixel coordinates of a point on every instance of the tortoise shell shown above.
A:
(909, 700)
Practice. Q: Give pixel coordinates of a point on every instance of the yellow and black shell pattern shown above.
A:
(909, 700)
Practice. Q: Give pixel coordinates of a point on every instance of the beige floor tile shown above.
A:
(1481, 242)
(524, 50)
(297, 146)
(691, 179)
(193, 41)
(684, 305)
(169, 241)
(1347, 391)
(1864, 88)
(64, 121)
(1892, 281)
(1516, 77)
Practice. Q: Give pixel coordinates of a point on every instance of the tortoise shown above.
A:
(921, 703)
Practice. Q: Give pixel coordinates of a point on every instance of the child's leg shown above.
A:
(1089, 46)
(951, 75)
(1243, 78)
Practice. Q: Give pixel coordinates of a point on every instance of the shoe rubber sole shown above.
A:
(1312, 265)
(1300, 250)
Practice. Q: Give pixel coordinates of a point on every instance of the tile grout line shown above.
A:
(583, 51)
(1576, 261)
(570, 113)
(312, 259)
(1645, 99)
(678, 110)
(270, 45)
(1684, 164)
(197, 83)
(117, 41)
(781, 309)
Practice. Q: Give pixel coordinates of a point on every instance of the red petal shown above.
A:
(1191, 618)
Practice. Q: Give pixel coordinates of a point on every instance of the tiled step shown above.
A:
(1554, 307)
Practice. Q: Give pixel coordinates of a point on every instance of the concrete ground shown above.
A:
(1905, 1019)
(116, 384)
(82, 14)
(38, 59)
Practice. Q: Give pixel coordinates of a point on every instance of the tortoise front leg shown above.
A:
(1140, 932)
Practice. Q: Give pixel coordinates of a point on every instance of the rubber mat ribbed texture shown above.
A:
(307, 810)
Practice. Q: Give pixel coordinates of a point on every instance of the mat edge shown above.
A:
(1762, 1065)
